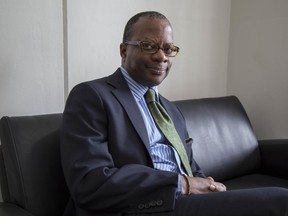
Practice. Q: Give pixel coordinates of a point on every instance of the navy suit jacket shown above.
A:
(106, 154)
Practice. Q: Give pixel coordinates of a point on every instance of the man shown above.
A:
(117, 160)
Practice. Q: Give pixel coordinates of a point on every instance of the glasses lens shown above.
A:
(149, 47)
(170, 50)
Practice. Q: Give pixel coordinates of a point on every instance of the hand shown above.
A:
(201, 185)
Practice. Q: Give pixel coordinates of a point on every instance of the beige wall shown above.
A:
(31, 57)
(201, 30)
(258, 63)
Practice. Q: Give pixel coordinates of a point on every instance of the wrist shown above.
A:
(185, 185)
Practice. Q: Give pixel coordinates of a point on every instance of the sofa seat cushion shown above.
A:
(254, 181)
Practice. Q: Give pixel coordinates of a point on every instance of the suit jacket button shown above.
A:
(141, 206)
(147, 205)
(159, 202)
(153, 203)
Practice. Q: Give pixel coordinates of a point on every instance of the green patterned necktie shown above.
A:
(167, 127)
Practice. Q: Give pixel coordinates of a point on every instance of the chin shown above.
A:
(155, 83)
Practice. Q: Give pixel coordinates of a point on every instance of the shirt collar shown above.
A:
(138, 90)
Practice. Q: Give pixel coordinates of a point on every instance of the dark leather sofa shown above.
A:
(224, 145)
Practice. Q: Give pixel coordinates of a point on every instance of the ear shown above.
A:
(123, 50)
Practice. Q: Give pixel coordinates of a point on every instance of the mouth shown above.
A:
(157, 70)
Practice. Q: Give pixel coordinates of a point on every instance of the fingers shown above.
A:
(215, 186)
(212, 187)
(210, 178)
(221, 187)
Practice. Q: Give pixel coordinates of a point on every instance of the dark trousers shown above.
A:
(270, 201)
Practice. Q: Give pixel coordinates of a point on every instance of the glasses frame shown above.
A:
(140, 44)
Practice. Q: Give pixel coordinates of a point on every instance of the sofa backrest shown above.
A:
(224, 143)
(31, 153)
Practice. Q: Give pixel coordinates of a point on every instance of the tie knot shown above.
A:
(149, 95)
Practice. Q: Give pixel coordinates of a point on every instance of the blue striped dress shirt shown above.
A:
(163, 154)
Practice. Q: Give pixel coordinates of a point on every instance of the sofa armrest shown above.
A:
(8, 209)
(274, 157)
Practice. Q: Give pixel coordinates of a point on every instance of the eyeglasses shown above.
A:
(169, 49)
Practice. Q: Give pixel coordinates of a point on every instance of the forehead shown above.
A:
(152, 28)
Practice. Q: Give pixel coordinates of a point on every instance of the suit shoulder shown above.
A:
(110, 81)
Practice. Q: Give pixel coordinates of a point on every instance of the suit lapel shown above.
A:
(126, 99)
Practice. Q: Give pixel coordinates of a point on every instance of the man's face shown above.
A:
(148, 69)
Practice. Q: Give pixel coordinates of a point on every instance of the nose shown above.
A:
(160, 56)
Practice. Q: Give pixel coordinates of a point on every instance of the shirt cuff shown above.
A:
(179, 188)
